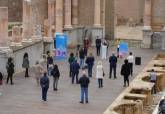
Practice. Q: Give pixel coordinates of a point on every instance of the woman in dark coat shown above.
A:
(56, 74)
(71, 60)
(10, 70)
(26, 64)
(125, 71)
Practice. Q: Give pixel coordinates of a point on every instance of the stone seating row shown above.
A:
(138, 95)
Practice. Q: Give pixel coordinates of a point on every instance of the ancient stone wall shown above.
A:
(86, 12)
(126, 9)
(158, 11)
(15, 9)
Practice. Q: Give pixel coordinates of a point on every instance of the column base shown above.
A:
(27, 41)
(36, 38)
(97, 25)
(147, 28)
(68, 27)
(48, 39)
(146, 43)
(6, 50)
(16, 44)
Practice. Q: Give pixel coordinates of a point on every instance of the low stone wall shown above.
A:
(134, 98)
(34, 50)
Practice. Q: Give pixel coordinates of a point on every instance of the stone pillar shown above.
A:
(51, 17)
(147, 31)
(4, 29)
(97, 14)
(16, 36)
(37, 34)
(59, 16)
(26, 35)
(68, 16)
(75, 12)
(147, 14)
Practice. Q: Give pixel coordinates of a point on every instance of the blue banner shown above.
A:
(61, 46)
(123, 48)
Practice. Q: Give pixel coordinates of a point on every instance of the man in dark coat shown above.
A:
(84, 82)
(75, 71)
(98, 45)
(82, 57)
(44, 82)
(10, 70)
(90, 62)
(113, 65)
(162, 106)
(125, 71)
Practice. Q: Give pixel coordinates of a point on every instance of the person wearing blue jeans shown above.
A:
(90, 62)
(84, 82)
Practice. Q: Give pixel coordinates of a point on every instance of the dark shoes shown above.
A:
(55, 89)
(83, 102)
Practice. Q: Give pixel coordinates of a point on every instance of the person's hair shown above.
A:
(37, 62)
(152, 70)
(47, 52)
(71, 54)
(55, 67)
(125, 61)
(130, 53)
(25, 55)
(10, 60)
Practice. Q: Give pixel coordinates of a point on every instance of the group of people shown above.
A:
(86, 61)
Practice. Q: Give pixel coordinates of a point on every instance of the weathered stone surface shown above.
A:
(3, 26)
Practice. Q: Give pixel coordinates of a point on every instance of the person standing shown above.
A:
(104, 50)
(130, 61)
(26, 64)
(84, 83)
(82, 57)
(98, 45)
(90, 62)
(153, 79)
(125, 72)
(56, 74)
(44, 82)
(113, 65)
(38, 72)
(86, 45)
(71, 60)
(49, 63)
(1, 81)
(75, 71)
(162, 106)
(10, 70)
(100, 74)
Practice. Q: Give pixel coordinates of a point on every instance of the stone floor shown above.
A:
(24, 97)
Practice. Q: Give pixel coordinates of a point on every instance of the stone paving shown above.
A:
(24, 97)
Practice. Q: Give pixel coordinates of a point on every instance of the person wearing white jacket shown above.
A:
(100, 74)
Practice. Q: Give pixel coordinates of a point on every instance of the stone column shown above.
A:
(147, 31)
(51, 16)
(37, 34)
(75, 12)
(16, 36)
(68, 16)
(97, 14)
(26, 35)
(59, 16)
(147, 14)
(4, 29)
